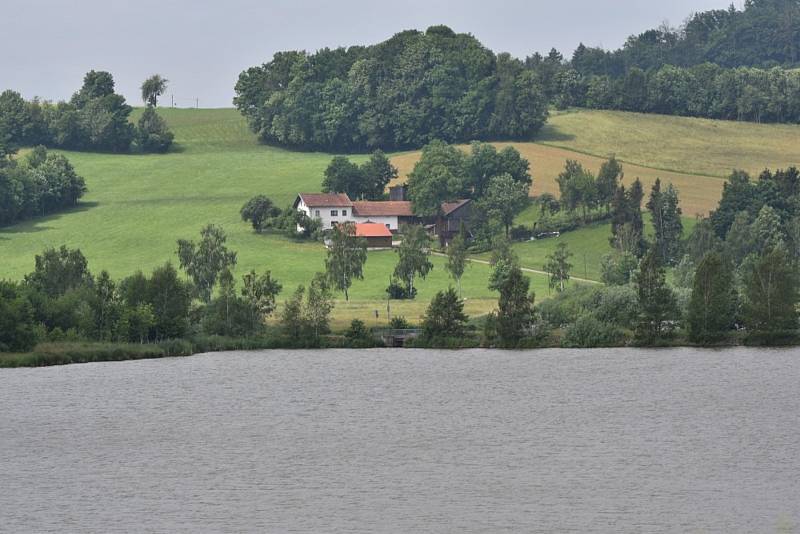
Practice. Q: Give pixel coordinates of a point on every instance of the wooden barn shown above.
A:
(376, 234)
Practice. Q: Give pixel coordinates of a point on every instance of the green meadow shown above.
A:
(139, 205)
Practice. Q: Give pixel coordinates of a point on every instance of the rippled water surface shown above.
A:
(406, 441)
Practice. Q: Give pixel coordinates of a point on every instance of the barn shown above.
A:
(376, 234)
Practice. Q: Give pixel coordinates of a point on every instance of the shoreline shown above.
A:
(75, 352)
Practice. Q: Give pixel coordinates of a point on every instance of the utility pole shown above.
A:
(197, 103)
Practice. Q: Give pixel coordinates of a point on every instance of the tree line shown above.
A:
(402, 93)
(722, 64)
(96, 118)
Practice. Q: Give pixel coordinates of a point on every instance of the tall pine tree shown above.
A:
(666, 216)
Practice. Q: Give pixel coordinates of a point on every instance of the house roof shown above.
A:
(390, 208)
(450, 207)
(325, 200)
(369, 229)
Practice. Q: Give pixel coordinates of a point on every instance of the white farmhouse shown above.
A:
(330, 208)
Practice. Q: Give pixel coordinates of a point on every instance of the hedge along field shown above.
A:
(139, 205)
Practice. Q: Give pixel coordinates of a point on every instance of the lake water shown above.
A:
(406, 441)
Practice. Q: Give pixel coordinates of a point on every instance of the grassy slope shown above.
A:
(698, 152)
(137, 206)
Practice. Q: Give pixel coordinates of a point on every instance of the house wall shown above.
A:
(390, 221)
(325, 214)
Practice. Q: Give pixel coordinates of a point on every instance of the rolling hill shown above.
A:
(139, 205)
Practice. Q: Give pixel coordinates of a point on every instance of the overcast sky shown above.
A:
(201, 46)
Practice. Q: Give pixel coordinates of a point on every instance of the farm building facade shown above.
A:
(332, 209)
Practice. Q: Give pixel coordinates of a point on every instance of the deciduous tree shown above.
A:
(347, 255)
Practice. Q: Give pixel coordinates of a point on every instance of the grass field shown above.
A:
(695, 155)
(138, 206)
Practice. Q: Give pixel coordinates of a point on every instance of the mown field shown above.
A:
(138, 206)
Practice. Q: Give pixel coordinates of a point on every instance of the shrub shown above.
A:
(521, 233)
(176, 347)
(588, 331)
(399, 323)
(398, 291)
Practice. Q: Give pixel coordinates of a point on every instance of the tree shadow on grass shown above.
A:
(39, 224)
(551, 134)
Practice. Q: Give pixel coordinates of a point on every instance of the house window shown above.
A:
(334, 213)
(316, 213)
(389, 226)
(344, 213)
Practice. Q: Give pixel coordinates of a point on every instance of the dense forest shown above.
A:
(723, 64)
(96, 118)
(420, 86)
(405, 92)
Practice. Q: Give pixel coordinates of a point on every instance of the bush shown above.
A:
(398, 291)
(358, 337)
(588, 331)
(617, 305)
(399, 323)
(152, 133)
(567, 306)
(521, 233)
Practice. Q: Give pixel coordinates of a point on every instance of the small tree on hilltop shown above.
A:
(152, 88)
(445, 317)
(205, 261)
(347, 255)
(558, 267)
(414, 253)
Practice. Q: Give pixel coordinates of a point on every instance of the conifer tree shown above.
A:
(656, 300)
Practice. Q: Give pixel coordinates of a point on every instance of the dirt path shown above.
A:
(524, 269)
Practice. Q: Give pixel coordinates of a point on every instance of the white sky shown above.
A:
(202, 46)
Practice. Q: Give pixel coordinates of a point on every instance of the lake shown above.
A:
(619, 440)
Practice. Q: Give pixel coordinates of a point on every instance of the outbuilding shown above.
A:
(376, 234)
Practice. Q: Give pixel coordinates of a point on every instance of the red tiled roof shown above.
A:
(389, 208)
(450, 207)
(325, 200)
(372, 230)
